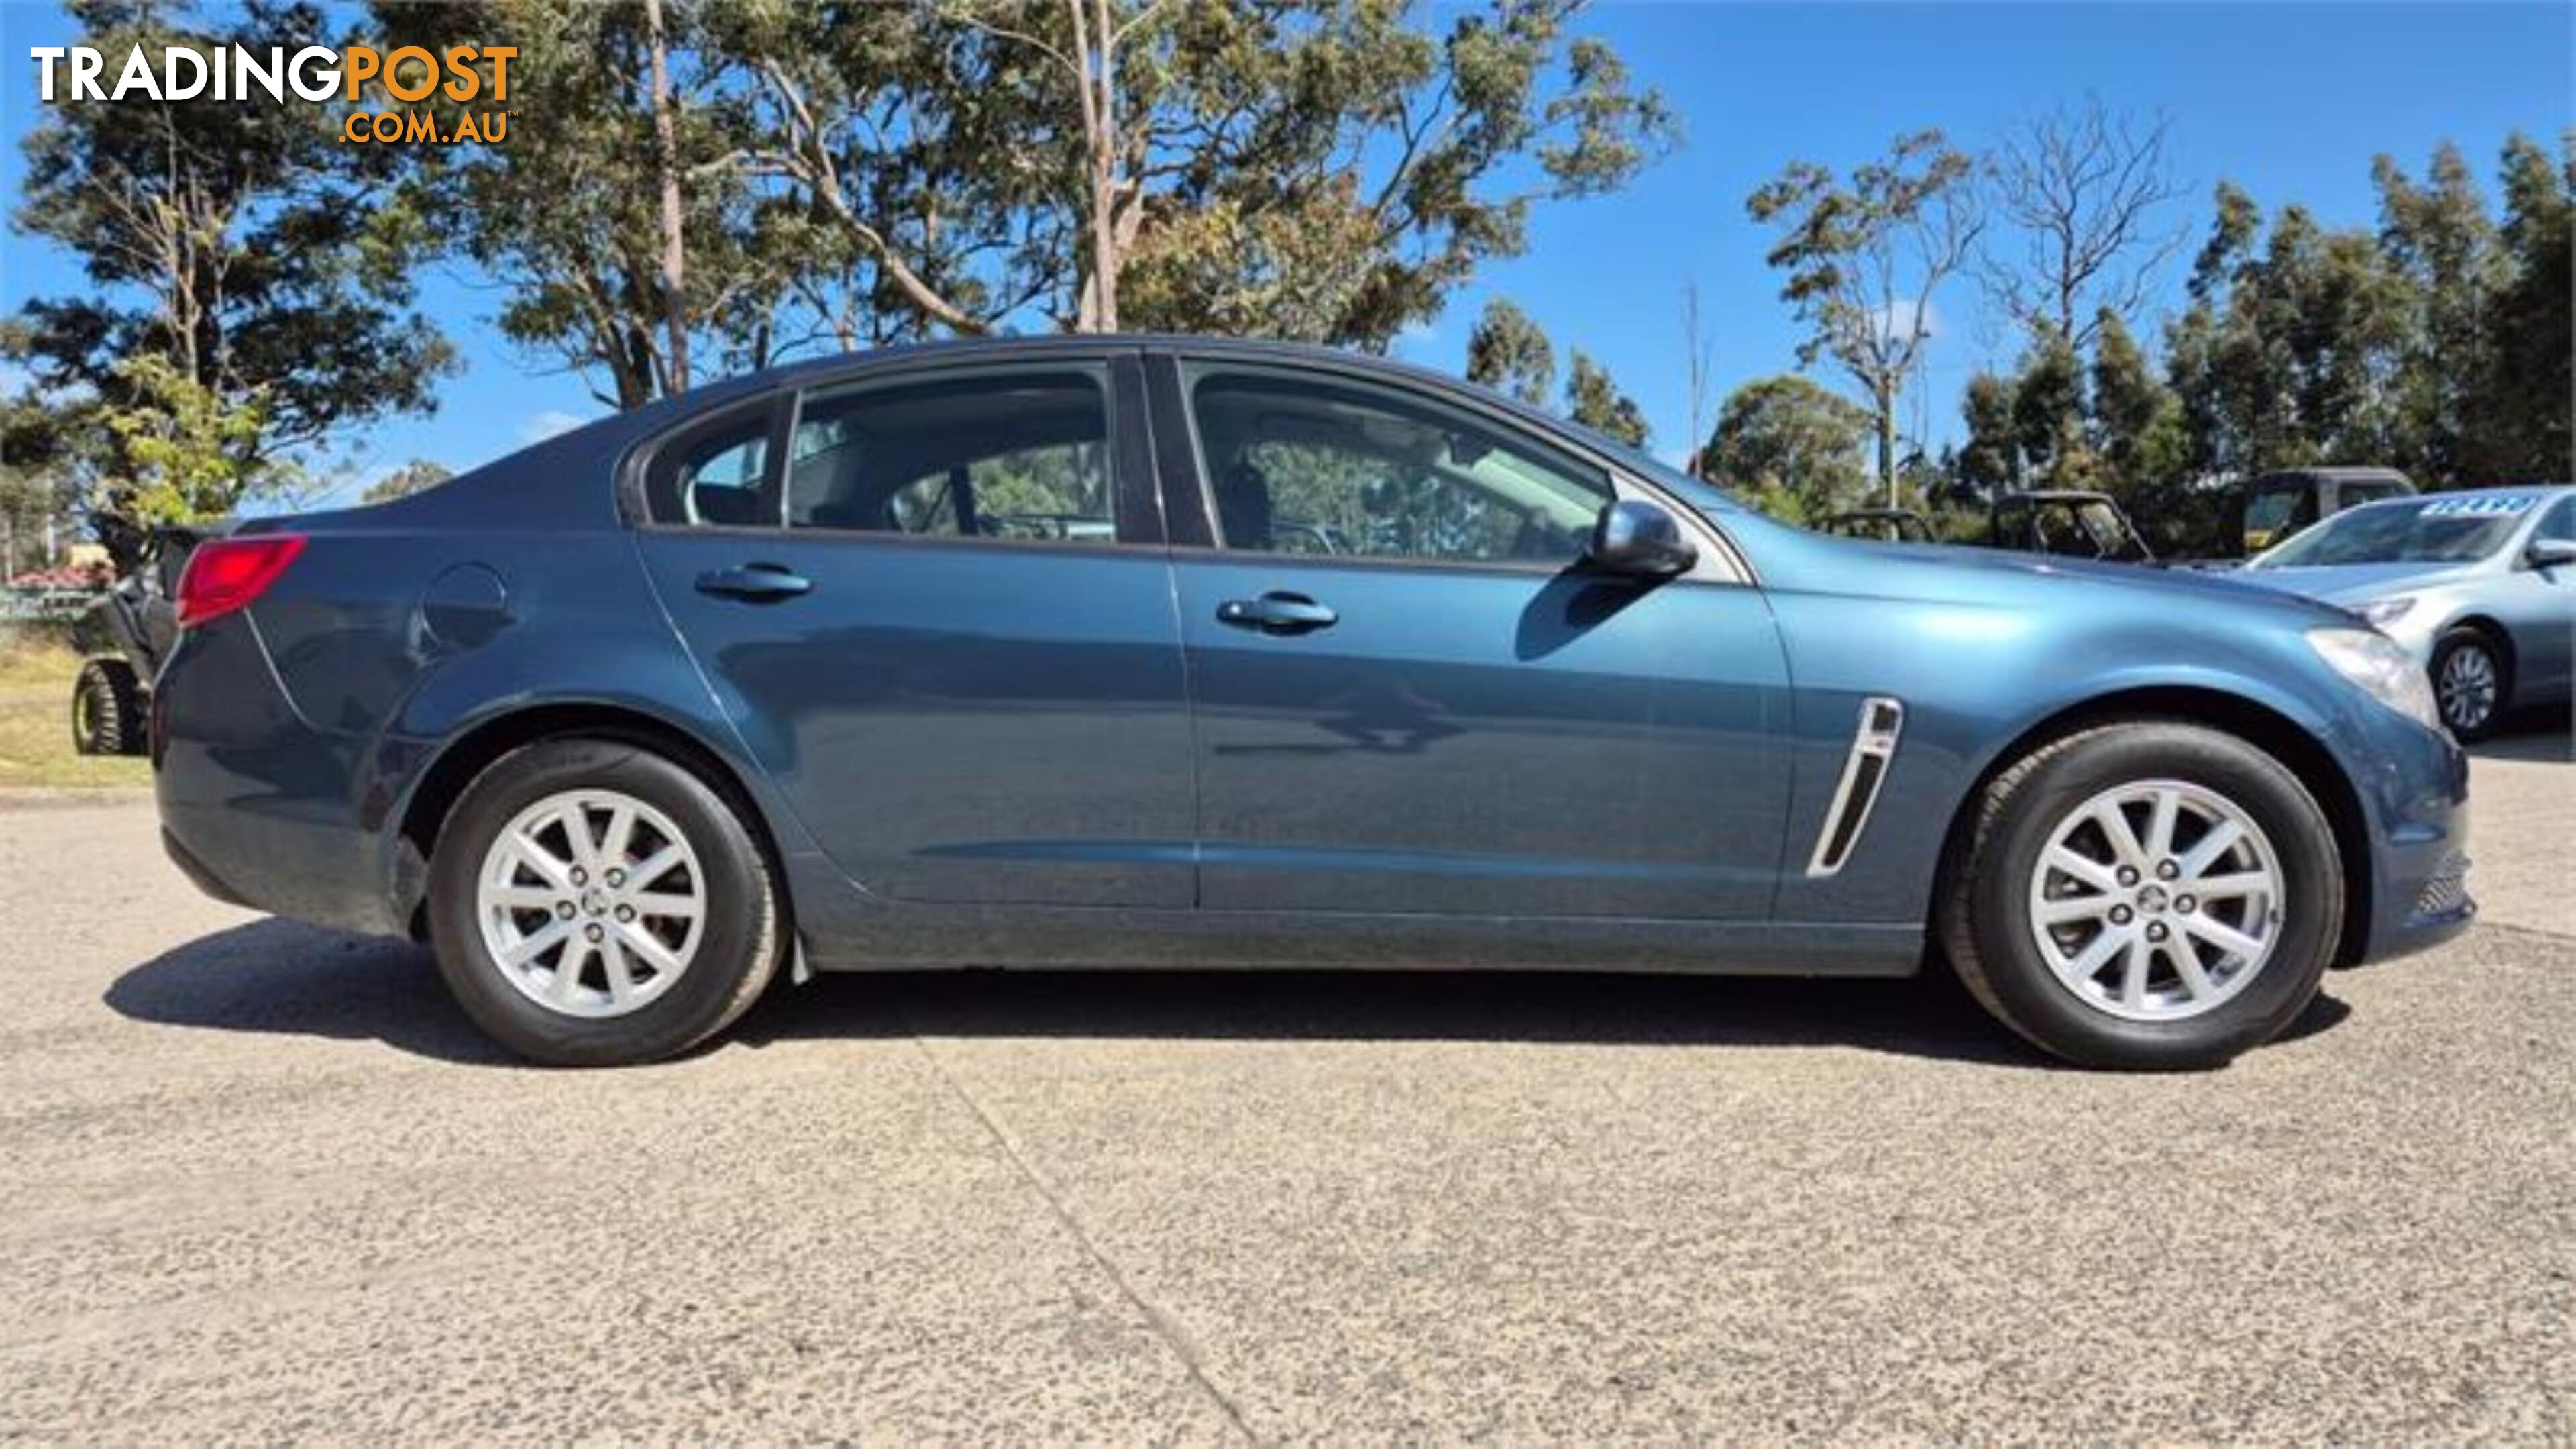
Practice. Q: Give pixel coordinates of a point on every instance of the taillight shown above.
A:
(225, 574)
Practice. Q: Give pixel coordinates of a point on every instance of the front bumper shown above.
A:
(2415, 787)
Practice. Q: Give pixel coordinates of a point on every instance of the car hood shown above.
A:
(2352, 583)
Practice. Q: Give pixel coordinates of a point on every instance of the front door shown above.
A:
(940, 611)
(1410, 697)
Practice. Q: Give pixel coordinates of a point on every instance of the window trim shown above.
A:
(1186, 485)
(635, 498)
(1118, 370)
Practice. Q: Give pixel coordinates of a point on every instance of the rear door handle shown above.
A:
(1277, 613)
(757, 583)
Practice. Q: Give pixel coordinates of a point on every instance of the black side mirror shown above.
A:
(2550, 553)
(1639, 539)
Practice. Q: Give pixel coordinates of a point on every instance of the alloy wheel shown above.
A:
(2467, 686)
(591, 903)
(2158, 900)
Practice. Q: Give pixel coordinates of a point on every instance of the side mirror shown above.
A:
(1639, 539)
(2550, 553)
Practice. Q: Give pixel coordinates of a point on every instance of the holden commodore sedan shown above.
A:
(1136, 652)
(2479, 586)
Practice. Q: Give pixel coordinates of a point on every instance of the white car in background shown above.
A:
(2479, 585)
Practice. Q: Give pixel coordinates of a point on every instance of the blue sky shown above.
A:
(2290, 101)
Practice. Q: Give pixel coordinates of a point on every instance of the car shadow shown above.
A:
(2546, 735)
(280, 978)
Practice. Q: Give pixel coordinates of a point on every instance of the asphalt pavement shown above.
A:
(259, 1181)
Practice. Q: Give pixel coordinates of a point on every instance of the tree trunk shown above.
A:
(1095, 61)
(666, 155)
(1885, 398)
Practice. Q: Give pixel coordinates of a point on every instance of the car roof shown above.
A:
(2339, 473)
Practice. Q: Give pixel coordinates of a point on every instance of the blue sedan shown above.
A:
(1122, 652)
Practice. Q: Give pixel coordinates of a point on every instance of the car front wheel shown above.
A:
(2471, 680)
(595, 904)
(2146, 895)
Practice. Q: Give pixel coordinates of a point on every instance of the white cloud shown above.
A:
(1897, 319)
(547, 424)
(1417, 337)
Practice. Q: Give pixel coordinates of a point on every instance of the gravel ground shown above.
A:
(264, 1182)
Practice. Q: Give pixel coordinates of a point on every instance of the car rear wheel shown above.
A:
(595, 904)
(2146, 895)
(2472, 682)
(107, 709)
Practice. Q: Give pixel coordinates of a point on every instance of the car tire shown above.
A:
(2472, 682)
(2021, 933)
(667, 872)
(107, 709)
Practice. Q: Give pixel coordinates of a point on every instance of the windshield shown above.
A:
(2270, 508)
(2418, 530)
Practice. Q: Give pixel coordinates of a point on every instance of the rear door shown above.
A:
(1410, 699)
(939, 606)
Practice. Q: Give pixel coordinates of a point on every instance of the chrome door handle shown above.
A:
(1277, 612)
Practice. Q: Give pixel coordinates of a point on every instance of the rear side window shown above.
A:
(1021, 455)
(717, 474)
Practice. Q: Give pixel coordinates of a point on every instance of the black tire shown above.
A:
(744, 932)
(1989, 936)
(107, 709)
(2458, 645)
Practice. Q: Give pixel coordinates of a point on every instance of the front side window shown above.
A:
(2559, 521)
(1017, 455)
(1306, 466)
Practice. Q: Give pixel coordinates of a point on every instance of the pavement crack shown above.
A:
(1169, 1329)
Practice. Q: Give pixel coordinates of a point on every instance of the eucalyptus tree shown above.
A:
(1864, 256)
(247, 294)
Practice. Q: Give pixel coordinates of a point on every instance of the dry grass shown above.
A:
(36, 723)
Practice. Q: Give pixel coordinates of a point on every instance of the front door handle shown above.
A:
(1277, 613)
(758, 583)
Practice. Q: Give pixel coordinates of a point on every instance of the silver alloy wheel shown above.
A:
(592, 903)
(2468, 686)
(2157, 900)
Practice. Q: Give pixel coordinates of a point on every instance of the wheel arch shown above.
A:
(2258, 724)
(2496, 634)
(463, 759)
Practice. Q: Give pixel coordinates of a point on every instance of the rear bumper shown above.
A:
(257, 807)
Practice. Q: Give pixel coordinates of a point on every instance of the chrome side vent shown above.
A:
(1865, 769)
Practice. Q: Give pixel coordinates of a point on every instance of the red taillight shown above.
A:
(226, 574)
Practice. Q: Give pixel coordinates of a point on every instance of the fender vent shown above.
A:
(1865, 769)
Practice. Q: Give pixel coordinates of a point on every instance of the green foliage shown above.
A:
(2048, 413)
(1798, 451)
(855, 175)
(1864, 255)
(1508, 352)
(2437, 345)
(184, 443)
(250, 293)
(1595, 401)
(1331, 171)
(410, 478)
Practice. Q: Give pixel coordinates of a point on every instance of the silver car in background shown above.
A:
(2479, 585)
